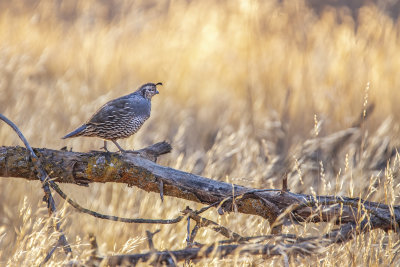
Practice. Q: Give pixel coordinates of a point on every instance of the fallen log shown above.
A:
(137, 169)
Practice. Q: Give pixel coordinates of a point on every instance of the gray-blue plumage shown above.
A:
(121, 117)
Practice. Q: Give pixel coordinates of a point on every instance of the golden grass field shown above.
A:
(226, 67)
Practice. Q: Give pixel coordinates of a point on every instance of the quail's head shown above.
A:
(148, 90)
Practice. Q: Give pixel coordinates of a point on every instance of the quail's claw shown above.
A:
(119, 147)
(105, 147)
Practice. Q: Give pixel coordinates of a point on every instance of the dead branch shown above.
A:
(286, 245)
(43, 177)
(212, 251)
(85, 168)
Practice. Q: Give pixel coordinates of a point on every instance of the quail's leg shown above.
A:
(119, 147)
(105, 146)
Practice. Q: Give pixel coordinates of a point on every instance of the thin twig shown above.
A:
(161, 185)
(122, 219)
(45, 184)
(188, 231)
(150, 236)
(111, 217)
(50, 253)
(288, 238)
(193, 234)
(203, 222)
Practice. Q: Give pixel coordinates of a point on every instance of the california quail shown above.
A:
(119, 118)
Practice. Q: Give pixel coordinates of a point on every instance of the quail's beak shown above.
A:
(157, 92)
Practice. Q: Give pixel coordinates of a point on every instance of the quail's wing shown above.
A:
(120, 110)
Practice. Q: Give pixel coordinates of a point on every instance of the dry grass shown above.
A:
(226, 69)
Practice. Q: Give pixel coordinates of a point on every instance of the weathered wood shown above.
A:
(169, 258)
(285, 245)
(100, 167)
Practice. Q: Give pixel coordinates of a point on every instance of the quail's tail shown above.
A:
(76, 133)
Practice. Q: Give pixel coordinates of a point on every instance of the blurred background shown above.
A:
(252, 90)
